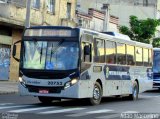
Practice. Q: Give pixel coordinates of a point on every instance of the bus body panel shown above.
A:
(156, 68)
(74, 91)
(115, 79)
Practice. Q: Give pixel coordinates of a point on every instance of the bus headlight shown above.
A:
(22, 81)
(73, 81)
(70, 83)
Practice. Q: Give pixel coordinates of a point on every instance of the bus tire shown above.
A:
(97, 94)
(45, 100)
(134, 95)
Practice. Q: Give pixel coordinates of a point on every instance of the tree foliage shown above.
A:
(156, 42)
(140, 30)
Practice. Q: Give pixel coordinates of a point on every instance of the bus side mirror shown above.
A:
(87, 50)
(14, 50)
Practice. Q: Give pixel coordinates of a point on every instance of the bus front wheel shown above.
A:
(134, 95)
(45, 100)
(97, 94)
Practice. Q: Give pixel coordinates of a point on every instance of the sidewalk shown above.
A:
(8, 87)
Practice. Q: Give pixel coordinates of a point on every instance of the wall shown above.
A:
(15, 15)
(123, 12)
(123, 8)
(97, 24)
(14, 65)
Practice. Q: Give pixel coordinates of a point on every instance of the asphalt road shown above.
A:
(13, 106)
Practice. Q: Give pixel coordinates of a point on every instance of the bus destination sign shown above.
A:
(51, 32)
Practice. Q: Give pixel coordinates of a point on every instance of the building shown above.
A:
(12, 20)
(143, 9)
(95, 19)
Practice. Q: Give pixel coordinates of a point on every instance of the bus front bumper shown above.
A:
(59, 92)
(156, 84)
(71, 92)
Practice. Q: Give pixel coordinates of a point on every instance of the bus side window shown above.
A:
(139, 58)
(110, 52)
(86, 52)
(130, 55)
(99, 50)
(121, 53)
(145, 57)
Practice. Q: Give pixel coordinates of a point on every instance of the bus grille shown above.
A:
(156, 84)
(53, 76)
(156, 76)
(35, 89)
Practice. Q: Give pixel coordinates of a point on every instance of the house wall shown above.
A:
(14, 18)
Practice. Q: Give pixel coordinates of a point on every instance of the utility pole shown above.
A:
(28, 9)
(105, 9)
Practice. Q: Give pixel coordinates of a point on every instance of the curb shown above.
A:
(3, 92)
(8, 87)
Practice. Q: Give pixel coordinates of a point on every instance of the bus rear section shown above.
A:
(156, 68)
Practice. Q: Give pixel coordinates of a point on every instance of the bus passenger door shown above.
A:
(86, 59)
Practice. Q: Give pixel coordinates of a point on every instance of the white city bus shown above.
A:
(59, 62)
(156, 68)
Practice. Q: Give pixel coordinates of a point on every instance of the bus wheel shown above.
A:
(97, 94)
(45, 100)
(134, 95)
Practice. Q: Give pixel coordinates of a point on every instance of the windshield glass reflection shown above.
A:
(57, 55)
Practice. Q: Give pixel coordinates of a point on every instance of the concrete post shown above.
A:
(28, 9)
(105, 8)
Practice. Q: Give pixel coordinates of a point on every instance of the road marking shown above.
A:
(109, 116)
(61, 111)
(130, 112)
(99, 111)
(1, 104)
(148, 96)
(90, 112)
(29, 109)
(17, 106)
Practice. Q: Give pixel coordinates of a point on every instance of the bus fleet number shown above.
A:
(54, 83)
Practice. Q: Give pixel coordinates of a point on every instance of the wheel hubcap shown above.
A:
(135, 93)
(96, 93)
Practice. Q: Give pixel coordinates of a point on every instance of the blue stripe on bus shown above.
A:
(117, 73)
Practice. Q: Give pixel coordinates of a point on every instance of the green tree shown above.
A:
(156, 42)
(140, 30)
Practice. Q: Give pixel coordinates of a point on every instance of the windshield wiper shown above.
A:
(51, 53)
(24, 54)
(55, 49)
(41, 53)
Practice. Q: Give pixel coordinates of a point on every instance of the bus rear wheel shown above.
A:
(97, 94)
(45, 100)
(134, 95)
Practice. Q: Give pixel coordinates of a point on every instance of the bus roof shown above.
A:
(156, 49)
(115, 38)
(49, 27)
(111, 36)
(118, 35)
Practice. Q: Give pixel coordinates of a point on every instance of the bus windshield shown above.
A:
(50, 55)
(156, 62)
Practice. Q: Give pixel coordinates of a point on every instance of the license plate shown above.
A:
(43, 91)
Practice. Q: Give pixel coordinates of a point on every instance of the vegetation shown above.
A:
(142, 30)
